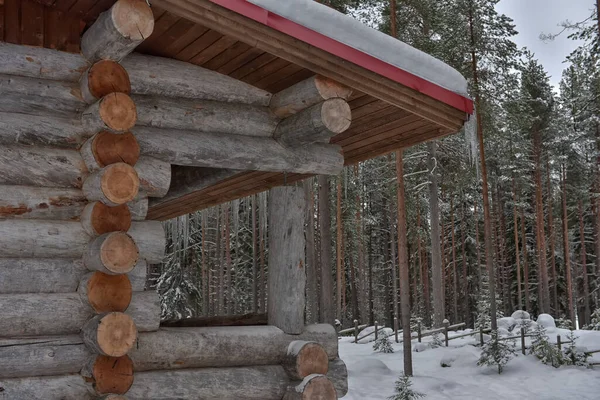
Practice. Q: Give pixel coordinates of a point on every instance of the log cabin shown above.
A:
(116, 115)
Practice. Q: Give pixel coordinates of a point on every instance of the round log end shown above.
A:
(118, 112)
(311, 358)
(116, 334)
(108, 293)
(110, 148)
(329, 89)
(120, 183)
(112, 374)
(133, 19)
(106, 77)
(104, 219)
(317, 387)
(336, 115)
(119, 253)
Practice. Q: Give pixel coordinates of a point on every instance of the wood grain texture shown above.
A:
(29, 202)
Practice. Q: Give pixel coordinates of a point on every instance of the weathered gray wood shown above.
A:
(151, 240)
(39, 62)
(312, 387)
(307, 93)
(154, 175)
(113, 185)
(287, 277)
(40, 203)
(63, 387)
(41, 130)
(145, 311)
(39, 97)
(242, 383)
(118, 31)
(305, 358)
(338, 375)
(64, 313)
(317, 124)
(205, 116)
(138, 207)
(110, 334)
(211, 150)
(53, 275)
(168, 348)
(172, 78)
(38, 166)
(42, 239)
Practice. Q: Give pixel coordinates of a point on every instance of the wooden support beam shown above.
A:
(103, 78)
(154, 176)
(106, 293)
(217, 321)
(118, 31)
(338, 375)
(145, 310)
(197, 149)
(287, 277)
(150, 238)
(109, 375)
(54, 275)
(113, 185)
(41, 130)
(115, 112)
(304, 359)
(205, 116)
(112, 253)
(107, 148)
(111, 334)
(307, 93)
(316, 124)
(312, 387)
(98, 218)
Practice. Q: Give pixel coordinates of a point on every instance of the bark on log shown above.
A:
(205, 116)
(138, 207)
(98, 218)
(40, 203)
(197, 149)
(312, 387)
(65, 387)
(145, 311)
(149, 236)
(118, 31)
(287, 278)
(43, 275)
(41, 130)
(64, 313)
(113, 185)
(112, 253)
(304, 359)
(317, 124)
(39, 97)
(107, 148)
(338, 375)
(106, 293)
(157, 76)
(42, 239)
(154, 176)
(109, 375)
(38, 166)
(111, 334)
(38, 62)
(307, 93)
(103, 78)
(115, 112)
(169, 348)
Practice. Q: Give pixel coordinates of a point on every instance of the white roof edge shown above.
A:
(345, 29)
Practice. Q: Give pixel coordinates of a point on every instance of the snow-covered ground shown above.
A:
(371, 375)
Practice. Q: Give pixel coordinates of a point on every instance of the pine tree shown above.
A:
(383, 345)
(594, 325)
(572, 355)
(496, 352)
(404, 390)
(436, 341)
(544, 350)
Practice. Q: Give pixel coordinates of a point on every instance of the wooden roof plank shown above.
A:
(213, 50)
(242, 59)
(12, 21)
(252, 66)
(32, 23)
(225, 57)
(161, 26)
(266, 70)
(202, 42)
(290, 80)
(186, 38)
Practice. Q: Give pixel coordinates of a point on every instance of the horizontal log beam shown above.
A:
(168, 348)
(227, 320)
(43, 275)
(41, 130)
(64, 313)
(211, 150)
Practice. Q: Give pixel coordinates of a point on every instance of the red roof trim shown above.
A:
(348, 53)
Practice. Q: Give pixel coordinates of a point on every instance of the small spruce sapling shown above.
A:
(436, 341)
(383, 345)
(404, 390)
(573, 355)
(595, 322)
(547, 352)
(564, 323)
(496, 352)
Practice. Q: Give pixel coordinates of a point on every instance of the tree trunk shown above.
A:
(565, 226)
(525, 263)
(312, 306)
(436, 255)
(552, 238)
(454, 274)
(517, 253)
(584, 272)
(326, 301)
(340, 250)
(544, 303)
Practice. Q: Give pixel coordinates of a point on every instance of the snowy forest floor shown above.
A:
(371, 375)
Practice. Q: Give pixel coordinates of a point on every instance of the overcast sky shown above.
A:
(533, 17)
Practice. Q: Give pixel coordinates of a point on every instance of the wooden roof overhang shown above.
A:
(391, 108)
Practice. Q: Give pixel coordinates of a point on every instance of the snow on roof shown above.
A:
(354, 34)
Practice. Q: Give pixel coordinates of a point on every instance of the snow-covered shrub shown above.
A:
(496, 352)
(572, 354)
(503, 332)
(404, 390)
(507, 323)
(595, 322)
(547, 352)
(520, 314)
(436, 341)
(383, 345)
(564, 323)
(547, 321)
(419, 347)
